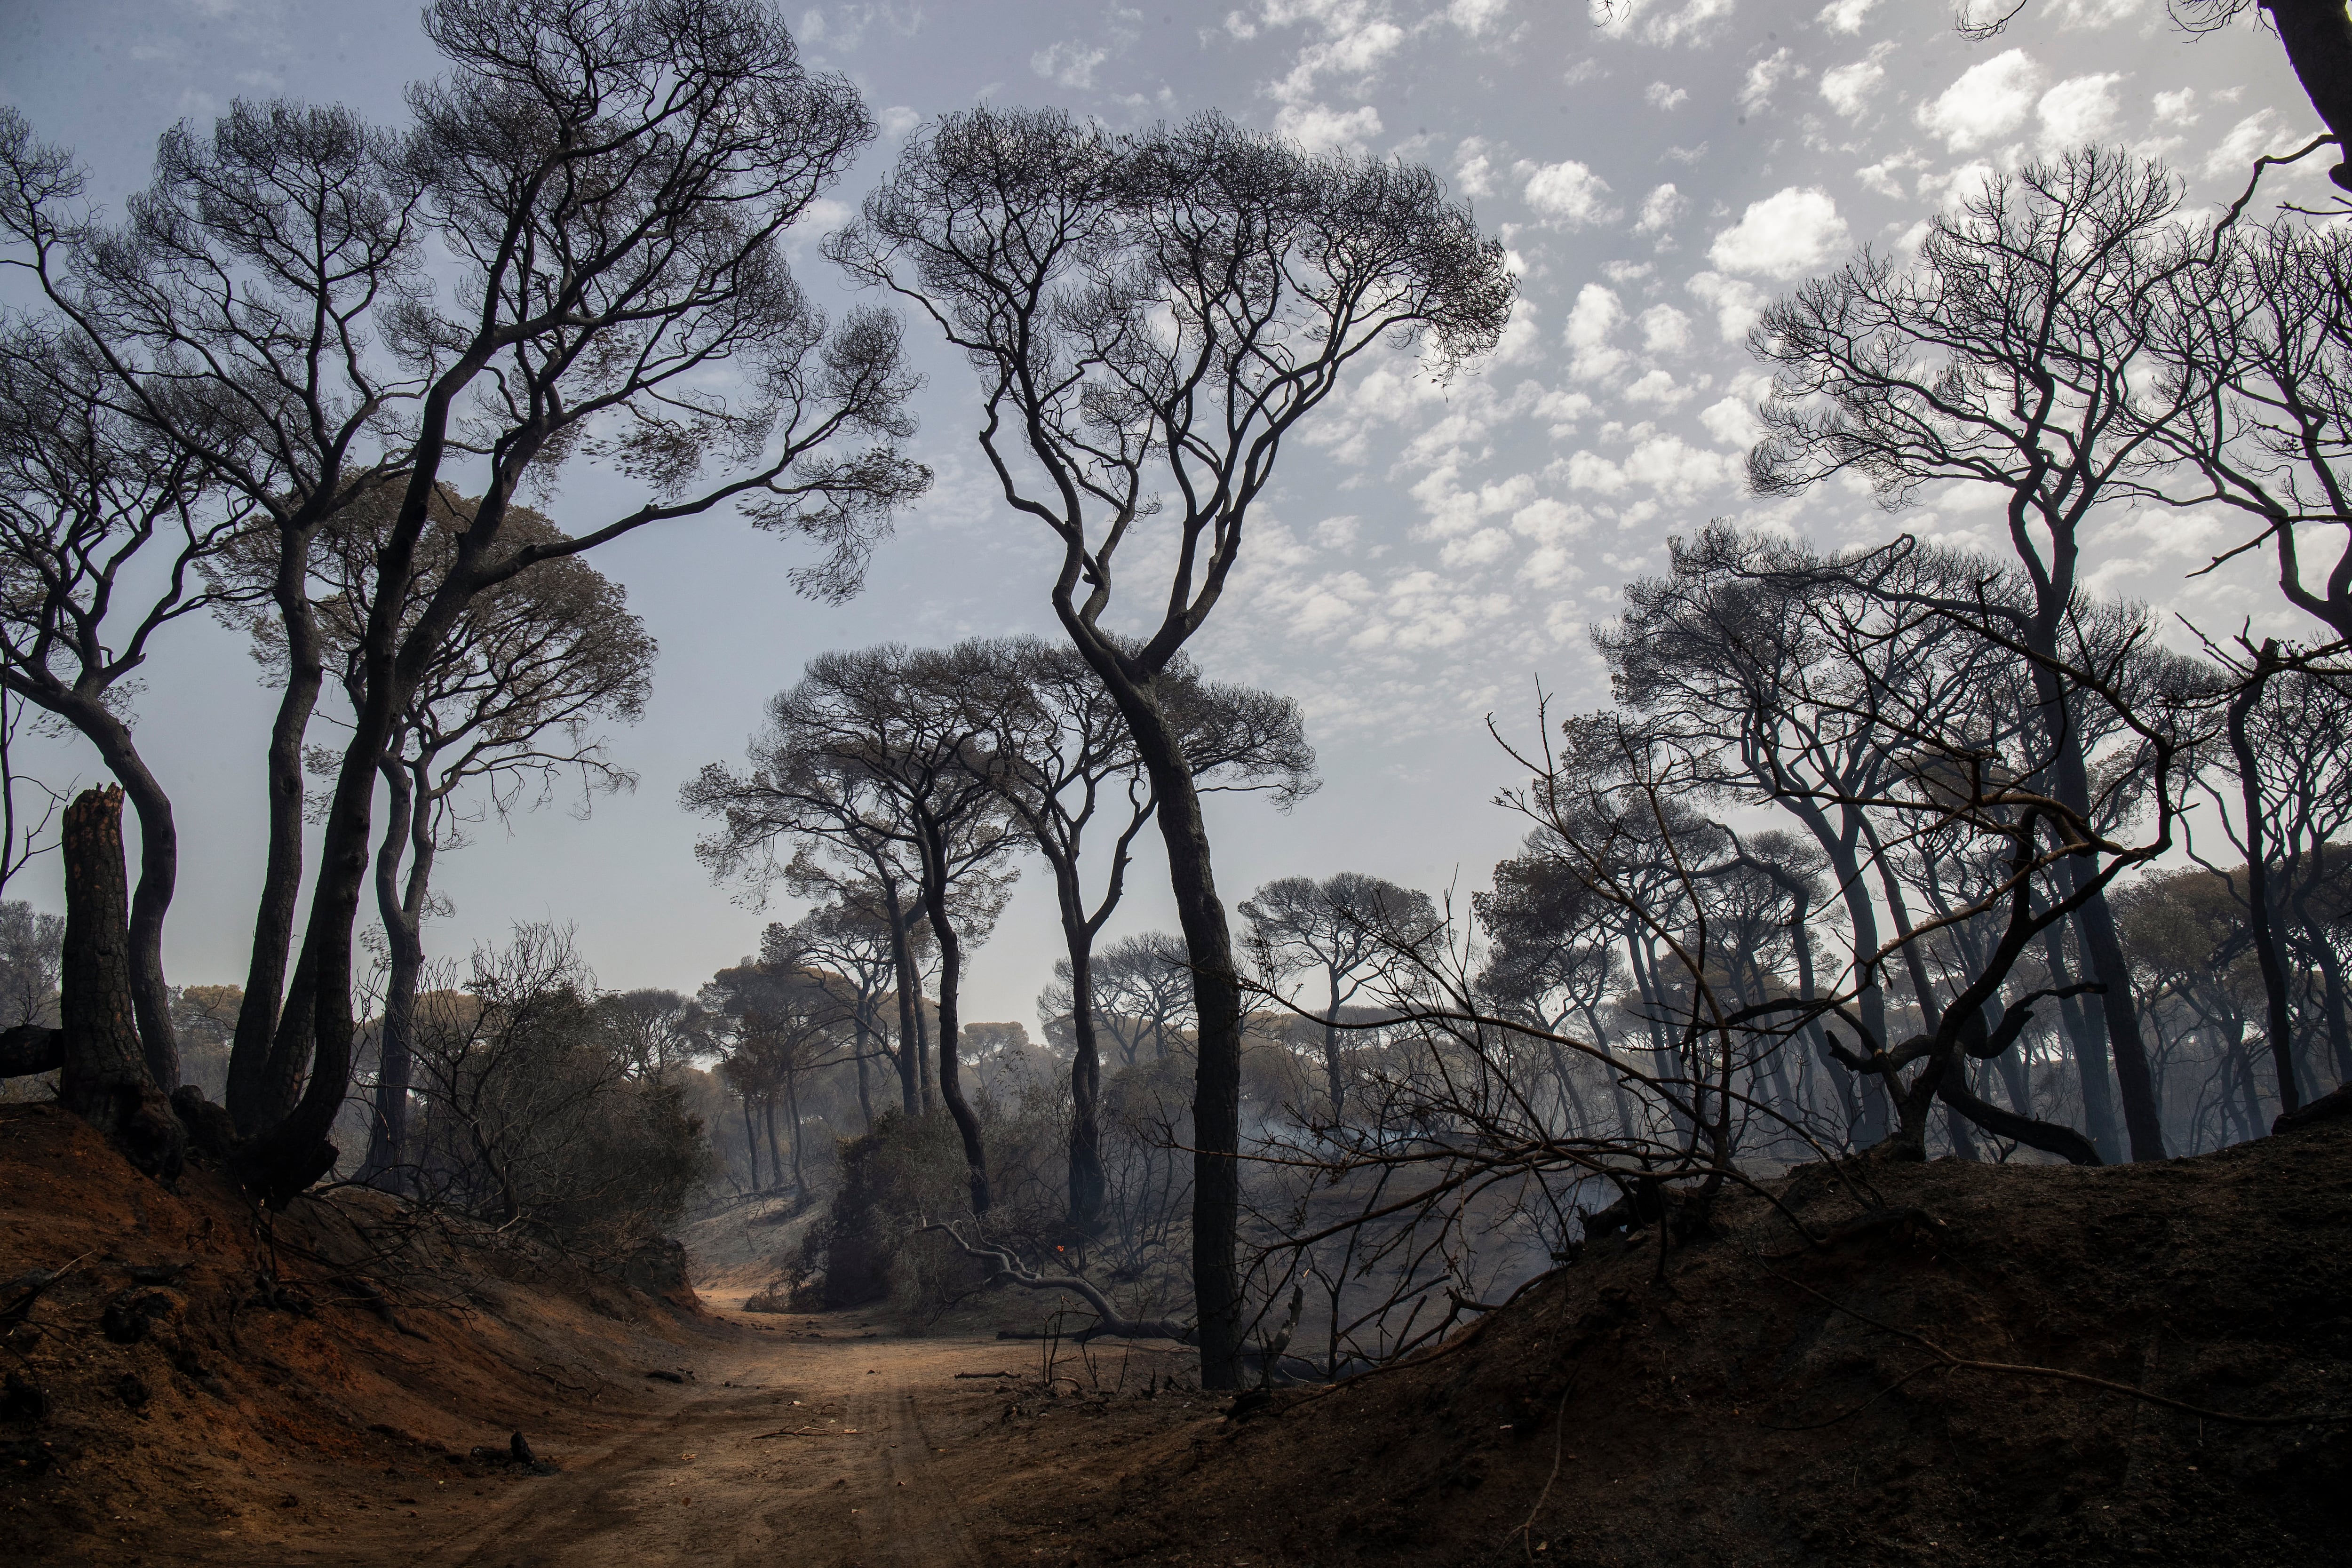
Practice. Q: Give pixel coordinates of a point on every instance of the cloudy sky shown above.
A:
(1657, 170)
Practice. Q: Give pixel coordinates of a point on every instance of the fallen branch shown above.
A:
(1006, 1270)
(805, 1431)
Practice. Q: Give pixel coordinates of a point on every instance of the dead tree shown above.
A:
(105, 1079)
(1149, 317)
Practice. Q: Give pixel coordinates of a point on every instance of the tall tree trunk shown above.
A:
(793, 1118)
(2318, 34)
(1217, 1293)
(910, 1001)
(865, 1044)
(286, 1158)
(1087, 1184)
(2261, 911)
(775, 1151)
(1335, 1083)
(159, 869)
(935, 903)
(249, 1103)
(2143, 1125)
(407, 832)
(2086, 1042)
(283, 1070)
(751, 1139)
(2331, 993)
(104, 1077)
(1872, 1121)
(1217, 1079)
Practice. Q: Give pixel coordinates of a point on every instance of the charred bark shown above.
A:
(935, 904)
(254, 1099)
(2318, 38)
(105, 1078)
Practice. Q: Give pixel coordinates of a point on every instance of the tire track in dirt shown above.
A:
(702, 1483)
(916, 1521)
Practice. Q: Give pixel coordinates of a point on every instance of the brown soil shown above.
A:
(1748, 1408)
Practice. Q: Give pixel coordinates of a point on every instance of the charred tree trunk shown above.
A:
(910, 1001)
(865, 1044)
(1087, 1185)
(2261, 908)
(251, 1103)
(158, 872)
(1335, 1081)
(2332, 997)
(105, 1078)
(2086, 1044)
(2318, 38)
(935, 904)
(407, 831)
(793, 1118)
(751, 1139)
(1217, 1081)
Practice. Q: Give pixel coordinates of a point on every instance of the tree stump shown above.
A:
(105, 1080)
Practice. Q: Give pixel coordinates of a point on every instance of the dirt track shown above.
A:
(790, 1451)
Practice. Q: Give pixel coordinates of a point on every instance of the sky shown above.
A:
(1430, 554)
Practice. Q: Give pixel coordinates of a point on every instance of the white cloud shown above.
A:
(1591, 322)
(1661, 210)
(2176, 108)
(1954, 186)
(1792, 232)
(1475, 16)
(1354, 44)
(1664, 464)
(1665, 329)
(1694, 23)
(1658, 95)
(2248, 139)
(1732, 423)
(1068, 63)
(2096, 13)
(1848, 88)
(1766, 78)
(1885, 176)
(1845, 15)
(1735, 302)
(1322, 129)
(1473, 171)
(1564, 410)
(2078, 111)
(897, 119)
(1520, 340)
(1657, 387)
(1480, 549)
(1568, 192)
(1987, 102)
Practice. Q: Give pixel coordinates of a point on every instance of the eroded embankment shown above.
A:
(1764, 1402)
(182, 1367)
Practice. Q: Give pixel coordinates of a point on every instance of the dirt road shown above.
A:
(795, 1451)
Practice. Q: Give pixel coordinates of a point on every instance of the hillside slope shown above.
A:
(200, 1368)
(1761, 1401)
